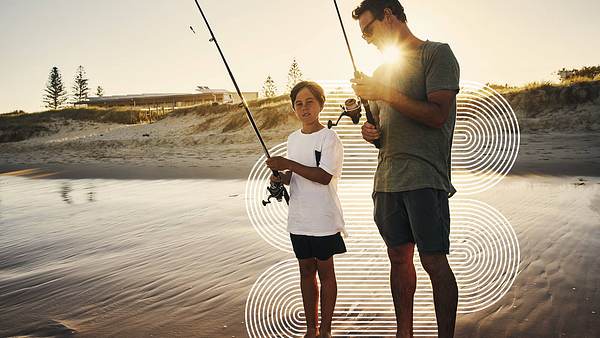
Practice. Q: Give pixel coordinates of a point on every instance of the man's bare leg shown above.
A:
(403, 282)
(328, 294)
(445, 292)
(310, 294)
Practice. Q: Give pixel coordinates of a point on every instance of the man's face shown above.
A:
(373, 30)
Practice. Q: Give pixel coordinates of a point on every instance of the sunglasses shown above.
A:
(367, 32)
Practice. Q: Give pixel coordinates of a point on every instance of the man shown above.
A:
(416, 100)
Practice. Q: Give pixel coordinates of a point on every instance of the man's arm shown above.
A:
(433, 112)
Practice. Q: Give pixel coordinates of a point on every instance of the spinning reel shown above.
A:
(276, 190)
(352, 109)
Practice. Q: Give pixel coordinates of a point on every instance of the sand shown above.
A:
(174, 148)
(557, 291)
(121, 234)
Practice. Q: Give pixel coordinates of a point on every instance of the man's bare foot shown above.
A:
(311, 333)
(325, 334)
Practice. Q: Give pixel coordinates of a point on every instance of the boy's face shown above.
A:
(307, 106)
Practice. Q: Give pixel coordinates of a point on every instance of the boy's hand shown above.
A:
(275, 179)
(278, 163)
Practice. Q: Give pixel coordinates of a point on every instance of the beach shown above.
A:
(137, 258)
(108, 232)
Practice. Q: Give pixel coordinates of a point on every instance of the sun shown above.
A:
(390, 54)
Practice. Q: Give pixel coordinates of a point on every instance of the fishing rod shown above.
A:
(276, 189)
(349, 109)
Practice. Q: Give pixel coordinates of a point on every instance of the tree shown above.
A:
(585, 72)
(269, 88)
(294, 75)
(99, 91)
(55, 90)
(80, 87)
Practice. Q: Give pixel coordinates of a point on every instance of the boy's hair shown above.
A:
(314, 88)
(376, 8)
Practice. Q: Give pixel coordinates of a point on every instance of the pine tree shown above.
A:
(269, 88)
(80, 87)
(99, 91)
(294, 75)
(55, 90)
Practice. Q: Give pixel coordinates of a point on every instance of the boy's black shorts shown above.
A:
(320, 247)
(419, 216)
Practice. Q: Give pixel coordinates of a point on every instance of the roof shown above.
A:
(100, 99)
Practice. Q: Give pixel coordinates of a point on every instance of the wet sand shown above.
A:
(126, 258)
(132, 258)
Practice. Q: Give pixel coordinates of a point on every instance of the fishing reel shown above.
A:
(352, 109)
(276, 190)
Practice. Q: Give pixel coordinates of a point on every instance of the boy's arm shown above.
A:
(314, 174)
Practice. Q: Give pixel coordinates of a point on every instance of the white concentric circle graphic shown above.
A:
(270, 222)
(486, 138)
(484, 257)
(274, 306)
(485, 254)
(484, 248)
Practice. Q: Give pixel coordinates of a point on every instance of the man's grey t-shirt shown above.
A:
(412, 155)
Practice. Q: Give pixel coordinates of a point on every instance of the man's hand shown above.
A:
(278, 163)
(367, 88)
(369, 132)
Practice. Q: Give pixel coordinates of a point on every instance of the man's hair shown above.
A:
(314, 88)
(376, 8)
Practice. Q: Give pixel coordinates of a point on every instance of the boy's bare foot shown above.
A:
(312, 333)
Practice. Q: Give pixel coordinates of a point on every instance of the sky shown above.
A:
(146, 46)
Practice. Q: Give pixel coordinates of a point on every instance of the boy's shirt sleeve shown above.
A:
(332, 155)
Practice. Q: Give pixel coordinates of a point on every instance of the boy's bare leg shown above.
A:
(328, 294)
(445, 292)
(403, 282)
(310, 294)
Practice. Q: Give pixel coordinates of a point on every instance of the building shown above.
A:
(168, 101)
(158, 101)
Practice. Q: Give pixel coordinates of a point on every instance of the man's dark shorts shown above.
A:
(419, 216)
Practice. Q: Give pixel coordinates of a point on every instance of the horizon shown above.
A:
(153, 50)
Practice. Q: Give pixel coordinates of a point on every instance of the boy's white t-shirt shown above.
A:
(315, 208)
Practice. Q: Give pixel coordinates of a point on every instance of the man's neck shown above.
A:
(407, 40)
